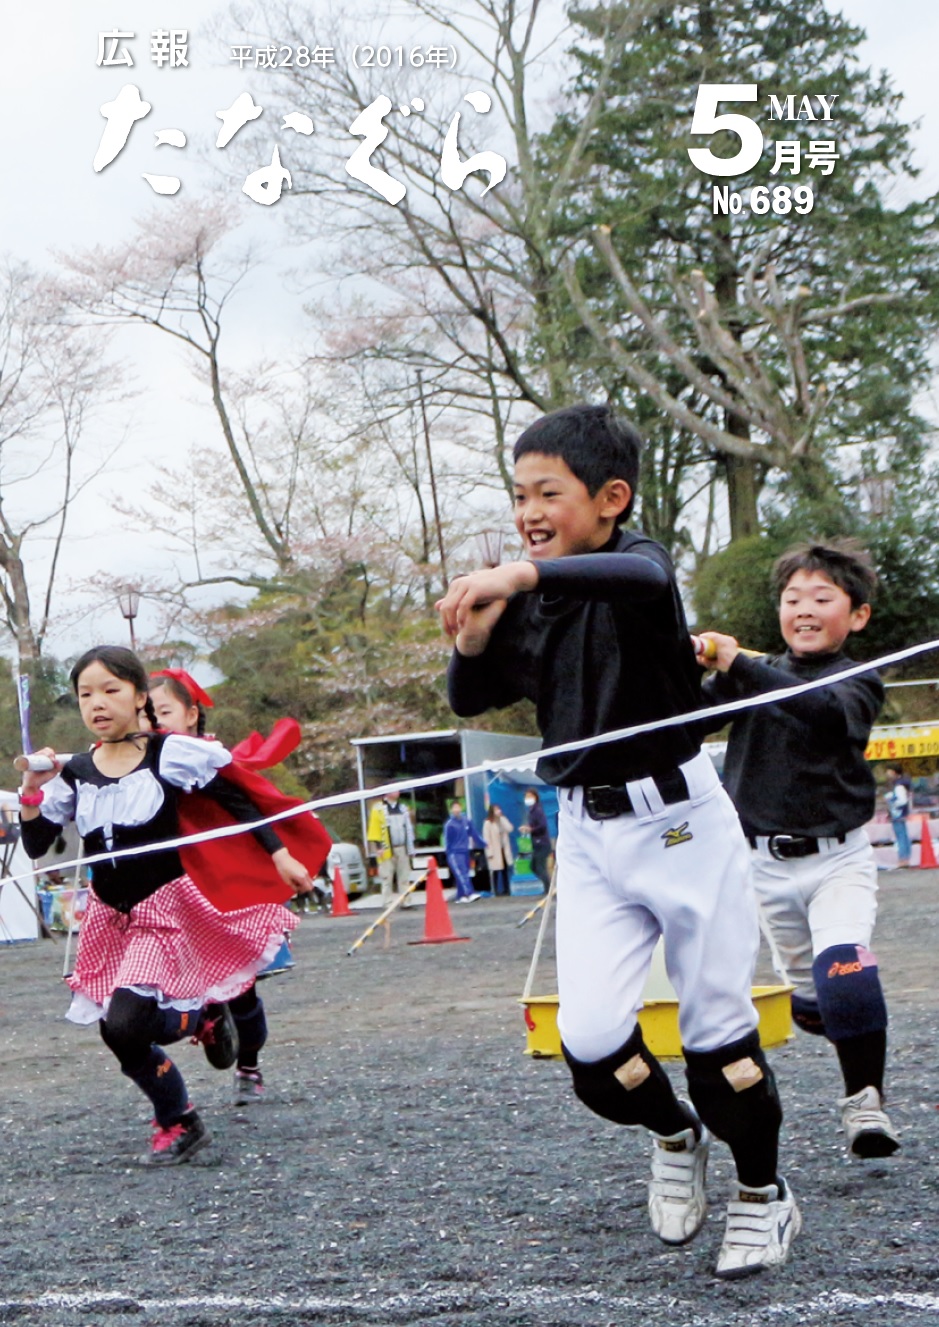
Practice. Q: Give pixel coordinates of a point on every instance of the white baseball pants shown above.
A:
(680, 871)
(812, 903)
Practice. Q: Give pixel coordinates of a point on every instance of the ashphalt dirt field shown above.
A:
(412, 1165)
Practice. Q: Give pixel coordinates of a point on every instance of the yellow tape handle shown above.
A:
(706, 649)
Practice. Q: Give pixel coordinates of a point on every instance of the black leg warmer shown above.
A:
(734, 1092)
(629, 1087)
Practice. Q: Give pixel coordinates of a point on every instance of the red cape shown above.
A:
(236, 872)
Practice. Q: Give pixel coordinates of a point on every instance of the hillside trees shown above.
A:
(778, 341)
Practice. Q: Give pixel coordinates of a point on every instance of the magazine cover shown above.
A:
(282, 282)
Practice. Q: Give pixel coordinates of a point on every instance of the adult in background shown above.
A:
(497, 829)
(537, 829)
(391, 841)
(458, 833)
(899, 798)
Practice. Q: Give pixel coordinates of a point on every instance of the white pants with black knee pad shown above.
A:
(680, 871)
(811, 903)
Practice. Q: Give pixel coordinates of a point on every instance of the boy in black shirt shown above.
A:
(797, 775)
(590, 627)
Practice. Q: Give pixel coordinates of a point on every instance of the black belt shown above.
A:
(785, 846)
(605, 802)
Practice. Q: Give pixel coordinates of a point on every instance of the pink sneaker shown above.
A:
(177, 1143)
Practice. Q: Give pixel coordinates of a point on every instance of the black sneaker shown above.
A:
(177, 1143)
(218, 1036)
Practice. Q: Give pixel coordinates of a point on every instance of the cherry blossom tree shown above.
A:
(53, 378)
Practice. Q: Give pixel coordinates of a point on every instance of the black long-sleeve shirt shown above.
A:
(798, 767)
(600, 644)
(538, 826)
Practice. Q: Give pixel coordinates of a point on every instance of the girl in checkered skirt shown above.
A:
(154, 944)
(180, 705)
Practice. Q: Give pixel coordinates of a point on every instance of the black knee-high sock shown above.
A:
(248, 1013)
(160, 1080)
(133, 1024)
(734, 1092)
(862, 1060)
(854, 1012)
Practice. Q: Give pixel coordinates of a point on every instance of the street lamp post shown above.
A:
(489, 544)
(433, 480)
(129, 601)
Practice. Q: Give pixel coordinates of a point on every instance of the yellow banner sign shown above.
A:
(901, 743)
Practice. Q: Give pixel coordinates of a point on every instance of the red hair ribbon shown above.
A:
(180, 675)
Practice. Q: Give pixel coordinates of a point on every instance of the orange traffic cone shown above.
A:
(927, 856)
(438, 928)
(340, 897)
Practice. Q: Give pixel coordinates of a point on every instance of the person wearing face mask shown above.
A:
(537, 829)
(391, 841)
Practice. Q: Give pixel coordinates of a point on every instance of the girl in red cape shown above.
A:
(232, 864)
(153, 947)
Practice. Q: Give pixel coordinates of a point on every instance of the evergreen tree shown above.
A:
(782, 337)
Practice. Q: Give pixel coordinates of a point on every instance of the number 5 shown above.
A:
(707, 121)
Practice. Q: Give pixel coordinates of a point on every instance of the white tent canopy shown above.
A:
(17, 901)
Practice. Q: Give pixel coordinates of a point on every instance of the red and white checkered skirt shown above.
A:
(176, 942)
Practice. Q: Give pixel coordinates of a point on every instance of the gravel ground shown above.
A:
(412, 1165)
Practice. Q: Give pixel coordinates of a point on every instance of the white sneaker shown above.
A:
(867, 1126)
(677, 1202)
(761, 1224)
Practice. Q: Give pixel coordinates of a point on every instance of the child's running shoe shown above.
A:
(218, 1036)
(173, 1145)
(867, 1126)
(677, 1201)
(761, 1224)
(249, 1086)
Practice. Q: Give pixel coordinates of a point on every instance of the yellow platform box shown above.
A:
(659, 1022)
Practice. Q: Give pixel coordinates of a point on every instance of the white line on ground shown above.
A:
(830, 1305)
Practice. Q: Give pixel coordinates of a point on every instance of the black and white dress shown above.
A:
(149, 926)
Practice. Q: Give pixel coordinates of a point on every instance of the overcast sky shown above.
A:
(52, 200)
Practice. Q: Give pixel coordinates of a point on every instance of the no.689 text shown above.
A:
(780, 200)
